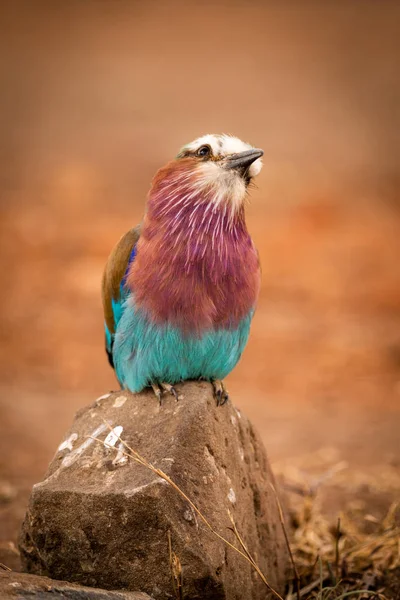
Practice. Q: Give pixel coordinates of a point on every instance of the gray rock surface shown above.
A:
(34, 587)
(101, 519)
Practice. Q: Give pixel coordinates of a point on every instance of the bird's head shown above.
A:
(214, 169)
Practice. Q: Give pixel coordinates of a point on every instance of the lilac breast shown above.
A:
(196, 265)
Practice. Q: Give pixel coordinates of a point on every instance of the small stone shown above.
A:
(68, 443)
(119, 401)
(103, 397)
(121, 458)
(188, 515)
(113, 437)
(232, 496)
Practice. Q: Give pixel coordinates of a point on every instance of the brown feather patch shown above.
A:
(114, 272)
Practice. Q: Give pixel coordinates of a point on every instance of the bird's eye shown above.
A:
(204, 151)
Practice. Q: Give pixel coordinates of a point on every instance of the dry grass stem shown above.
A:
(133, 454)
(176, 571)
(337, 551)
(249, 556)
(282, 521)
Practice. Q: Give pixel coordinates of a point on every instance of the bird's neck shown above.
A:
(198, 232)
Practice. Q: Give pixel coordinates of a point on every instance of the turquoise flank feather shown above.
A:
(117, 307)
(117, 312)
(146, 353)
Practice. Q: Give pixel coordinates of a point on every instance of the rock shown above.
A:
(101, 519)
(21, 586)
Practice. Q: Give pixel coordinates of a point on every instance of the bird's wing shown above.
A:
(114, 292)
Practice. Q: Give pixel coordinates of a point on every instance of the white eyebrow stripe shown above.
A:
(220, 144)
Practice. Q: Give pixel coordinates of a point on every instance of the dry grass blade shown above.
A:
(176, 571)
(133, 454)
(309, 588)
(238, 537)
(337, 551)
(249, 556)
(282, 521)
(353, 593)
(4, 567)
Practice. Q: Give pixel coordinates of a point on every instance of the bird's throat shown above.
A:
(196, 265)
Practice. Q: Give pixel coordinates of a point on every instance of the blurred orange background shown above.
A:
(96, 96)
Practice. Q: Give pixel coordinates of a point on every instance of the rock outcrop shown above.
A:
(22, 586)
(101, 519)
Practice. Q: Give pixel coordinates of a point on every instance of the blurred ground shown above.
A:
(95, 97)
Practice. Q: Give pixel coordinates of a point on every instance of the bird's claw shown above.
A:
(167, 387)
(175, 394)
(220, 393)
(158, 389)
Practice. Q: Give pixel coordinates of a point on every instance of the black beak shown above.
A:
(242, 160)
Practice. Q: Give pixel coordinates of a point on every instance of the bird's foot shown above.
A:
(220, 393)
(158, 389)
(167, 387)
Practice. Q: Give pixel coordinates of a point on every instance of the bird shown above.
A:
(179, 291)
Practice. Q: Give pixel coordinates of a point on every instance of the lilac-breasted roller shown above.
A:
(180, 290)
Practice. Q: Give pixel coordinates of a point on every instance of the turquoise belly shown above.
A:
(146, 353)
